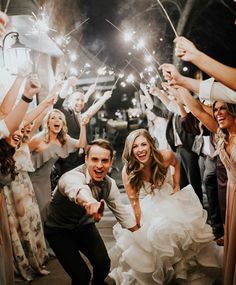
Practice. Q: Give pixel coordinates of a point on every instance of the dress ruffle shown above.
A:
(54, 150)
(174, 242)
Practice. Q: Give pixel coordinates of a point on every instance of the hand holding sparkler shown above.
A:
(173, 93)
(56, 88)
(145, 91)
(32, 86)
(171, 74)
(186, 50)
(70, 82)
(149, 103)
(161, 94)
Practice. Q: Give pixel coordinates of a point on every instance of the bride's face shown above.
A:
(141, 149)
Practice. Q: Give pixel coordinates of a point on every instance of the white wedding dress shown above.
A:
(174, 242)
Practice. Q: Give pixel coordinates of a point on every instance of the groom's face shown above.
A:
(98, 162)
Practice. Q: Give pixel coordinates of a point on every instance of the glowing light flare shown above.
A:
(134, 102)
(73, 56)
(148, 58)
(130, 78)
(59, 40)
(102, 70)
(123, 84)
(87, 65)
(185, 68)
(149, 69)
(41, 23)
(73, 71)
(97, 95)
(140, 44)
(121, 75)
(128, 36)
(152, 81)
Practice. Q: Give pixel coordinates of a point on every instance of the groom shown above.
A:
(77, 203)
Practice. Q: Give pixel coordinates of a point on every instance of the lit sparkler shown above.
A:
(41, 23)
(168, 18)
(130, 78)
(76, 28)
(6, 7)
(139, 45)
(121, 75)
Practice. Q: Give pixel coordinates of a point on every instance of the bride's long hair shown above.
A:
(134, 167)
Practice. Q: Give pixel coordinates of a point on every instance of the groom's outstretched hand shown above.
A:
(95, 209)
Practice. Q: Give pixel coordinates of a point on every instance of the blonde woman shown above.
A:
(46, 147)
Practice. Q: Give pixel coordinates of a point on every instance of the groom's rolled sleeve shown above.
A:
(119, 209)
(71, 183)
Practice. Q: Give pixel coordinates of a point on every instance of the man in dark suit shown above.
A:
(75, 103)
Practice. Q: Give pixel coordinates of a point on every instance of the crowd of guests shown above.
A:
(165, 234)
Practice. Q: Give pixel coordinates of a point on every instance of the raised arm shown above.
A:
(90, 91)
(187, 51)
(82, 141)
(70, 82)
(96, 106)
(197, 110)
(44, 105)
(10, 98)
(133, 196)
(32, 87)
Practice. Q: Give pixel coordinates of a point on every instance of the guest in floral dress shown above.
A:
(27, 237)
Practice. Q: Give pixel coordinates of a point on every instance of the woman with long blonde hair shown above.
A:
(46, 147)
(174, 242)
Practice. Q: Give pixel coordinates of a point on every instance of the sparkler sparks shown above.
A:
(41, 23)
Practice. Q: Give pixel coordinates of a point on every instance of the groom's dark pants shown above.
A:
(67, 243)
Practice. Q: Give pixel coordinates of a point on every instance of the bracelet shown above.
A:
(26, 99)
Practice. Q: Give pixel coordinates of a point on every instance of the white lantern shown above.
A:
(16, 56)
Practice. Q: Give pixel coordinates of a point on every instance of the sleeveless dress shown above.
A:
(173, 243)
(27, 237)
(43, 162)
(229, 162)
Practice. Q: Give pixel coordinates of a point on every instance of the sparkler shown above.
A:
(76, 28)
(139, 45)
(134, 68)
(6, 7)
(41, 23)
(168, 18)
(121, 73)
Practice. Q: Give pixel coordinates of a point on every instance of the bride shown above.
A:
(173, 242)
